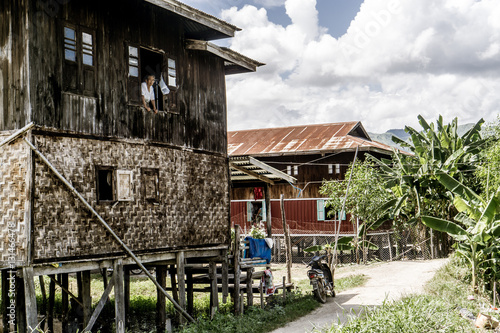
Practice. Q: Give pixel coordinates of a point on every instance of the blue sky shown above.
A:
(382, 62)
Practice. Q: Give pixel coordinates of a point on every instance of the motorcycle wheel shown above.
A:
(320, 293)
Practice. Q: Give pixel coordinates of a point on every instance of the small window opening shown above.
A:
(330, 169)
(172, 73)
(337, 168)
(133, 61)
(295, 170)
(87, 49)
(69, 44)
(289, 170)
(105, 184)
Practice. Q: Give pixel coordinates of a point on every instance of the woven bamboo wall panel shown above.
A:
(13, 202)
(191, 208)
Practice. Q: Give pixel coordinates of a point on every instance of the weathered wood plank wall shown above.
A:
(201, 122)
(14, 65)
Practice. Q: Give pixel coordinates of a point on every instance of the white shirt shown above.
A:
(148, 95)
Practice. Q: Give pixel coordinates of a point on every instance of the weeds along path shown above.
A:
(389, 281)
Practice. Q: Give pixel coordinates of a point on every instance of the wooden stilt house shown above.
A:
(89, 179)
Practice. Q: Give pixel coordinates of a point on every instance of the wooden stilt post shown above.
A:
(126, 290)
(161, 315)
(5, 300)
(181, 282)
(119, 296)
(287, 240)
(86, 297)
(249, 284)
(225, 277)
(43, 310)
(104, 275)
(237, 271)
(50, 312)
(79, 313)
(20, 305)
(173, 282)
(284, 290)
(261, 291)
(190, 292)
(30, 298)
(65, 302)
(267, 198)
(214, 290)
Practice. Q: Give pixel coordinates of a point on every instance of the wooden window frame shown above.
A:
(156, 172)
(118, 185)
(79, 69)
(170, 101)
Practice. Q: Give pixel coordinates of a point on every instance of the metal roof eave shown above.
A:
(237, 63)
(196, 15)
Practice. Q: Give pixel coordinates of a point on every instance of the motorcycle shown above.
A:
(321, 278)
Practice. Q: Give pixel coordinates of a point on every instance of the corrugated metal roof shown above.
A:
(302, 139)
(249, 168)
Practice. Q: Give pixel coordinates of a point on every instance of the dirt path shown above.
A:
(385, 281)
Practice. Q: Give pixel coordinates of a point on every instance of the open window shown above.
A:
(143, 62)
(79, 68)
(328, 213)
(105, 178)
(256, 211)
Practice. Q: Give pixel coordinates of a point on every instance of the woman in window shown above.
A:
(148, 94)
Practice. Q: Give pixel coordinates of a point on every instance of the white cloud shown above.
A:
(398, 59)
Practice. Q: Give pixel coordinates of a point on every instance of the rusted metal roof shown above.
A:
(305, 139)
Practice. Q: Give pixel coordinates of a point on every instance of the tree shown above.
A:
(366, 194)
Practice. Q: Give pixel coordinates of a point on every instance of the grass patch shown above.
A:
(350, 282)
(143, 307)
(255, 319)
(276, 314)
(436, 311)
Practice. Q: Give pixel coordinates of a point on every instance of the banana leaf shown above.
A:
(449, 227)
(456, 187)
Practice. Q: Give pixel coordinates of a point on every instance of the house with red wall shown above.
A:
(305, 156)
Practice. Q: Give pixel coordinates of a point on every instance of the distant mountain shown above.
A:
(386, 138)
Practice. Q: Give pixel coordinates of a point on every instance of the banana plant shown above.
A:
(437, 148)
(475, 228)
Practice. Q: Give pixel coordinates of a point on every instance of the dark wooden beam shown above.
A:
(52, 295)
(65, 302)
(5, 298)
(20, 305)
(161, 315)
(86, 297)
(190, 291)
(181, 283)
